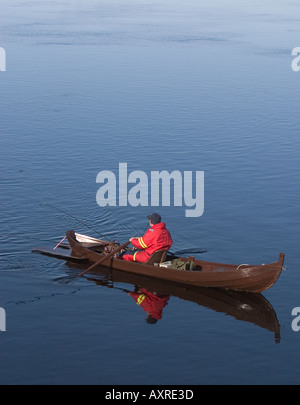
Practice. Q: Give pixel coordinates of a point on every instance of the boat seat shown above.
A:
(157, 257)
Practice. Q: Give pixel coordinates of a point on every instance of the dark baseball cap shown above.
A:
(151, 320)
(154, 218)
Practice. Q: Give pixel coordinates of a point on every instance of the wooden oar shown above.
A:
(105, 258)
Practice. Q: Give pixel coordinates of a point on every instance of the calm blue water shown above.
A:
(161, 86)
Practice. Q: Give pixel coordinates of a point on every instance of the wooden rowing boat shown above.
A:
(243, 277)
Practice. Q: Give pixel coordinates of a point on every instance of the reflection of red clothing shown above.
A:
(150, 302)
(156, 238)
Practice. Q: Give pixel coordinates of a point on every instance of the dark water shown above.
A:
(161, 86)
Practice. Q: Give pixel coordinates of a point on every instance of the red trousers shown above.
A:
(141, 257)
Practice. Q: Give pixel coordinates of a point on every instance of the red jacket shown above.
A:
(150, 302)
(156, 238)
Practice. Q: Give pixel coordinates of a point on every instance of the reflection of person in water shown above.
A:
(151, 302)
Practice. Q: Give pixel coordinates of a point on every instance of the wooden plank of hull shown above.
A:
(252, 278)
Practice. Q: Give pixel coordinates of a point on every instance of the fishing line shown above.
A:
(73, 217)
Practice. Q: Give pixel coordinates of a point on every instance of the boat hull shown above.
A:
(254, 278)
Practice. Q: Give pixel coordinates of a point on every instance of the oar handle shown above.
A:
(105, 258)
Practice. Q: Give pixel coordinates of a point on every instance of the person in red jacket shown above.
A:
(156, 238)
(151, 302)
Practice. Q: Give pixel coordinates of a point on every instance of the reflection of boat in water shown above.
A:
(241, 305)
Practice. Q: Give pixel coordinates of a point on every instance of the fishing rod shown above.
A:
(184, 251)
(73, 217)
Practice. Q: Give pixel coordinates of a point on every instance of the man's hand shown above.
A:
(133, 238)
